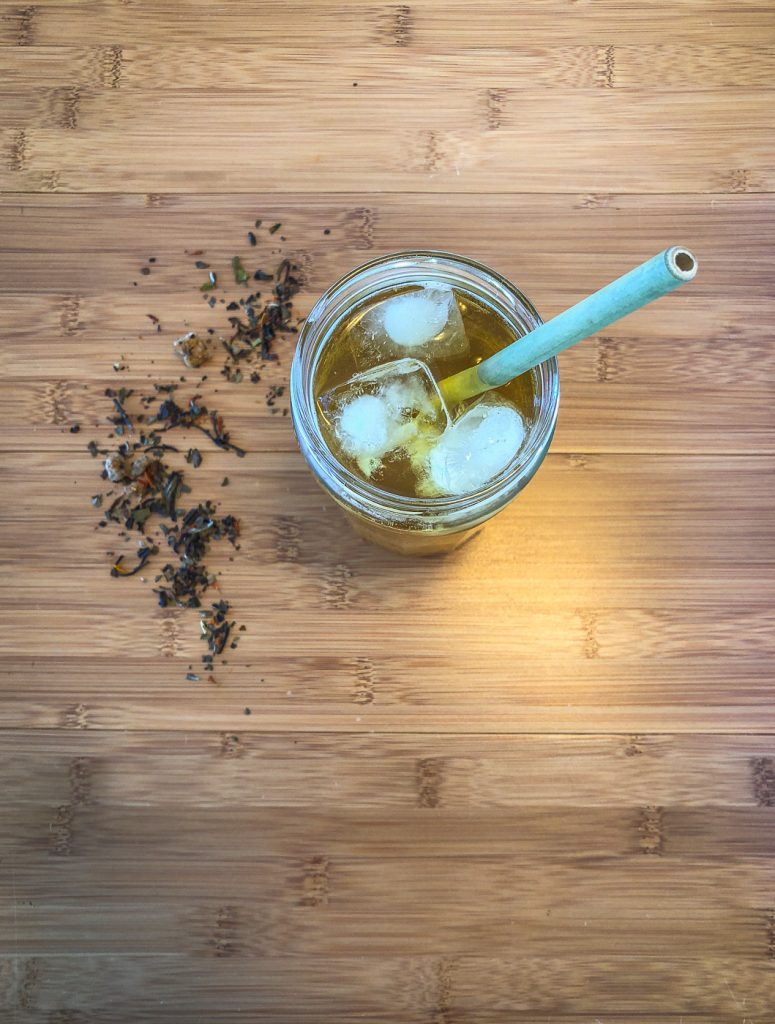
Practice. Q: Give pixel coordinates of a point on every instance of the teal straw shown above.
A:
(652, 279)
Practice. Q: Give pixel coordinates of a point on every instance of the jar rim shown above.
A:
(368, 498)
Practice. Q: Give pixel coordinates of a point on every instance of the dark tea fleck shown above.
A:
(143, 554)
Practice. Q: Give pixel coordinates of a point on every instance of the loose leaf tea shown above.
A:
(121, 421)
(254, 332)
(143, 554)
(172, 415)
(150, 496)
(216, 628)
(192, 349)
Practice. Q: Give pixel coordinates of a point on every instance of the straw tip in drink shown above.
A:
(681, 263)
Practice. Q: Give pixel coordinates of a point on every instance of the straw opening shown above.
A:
(681, 263)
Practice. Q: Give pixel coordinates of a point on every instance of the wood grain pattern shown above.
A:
(725, 146)
(531, 783)
(163, 987)
(423, 26)
(51, 70)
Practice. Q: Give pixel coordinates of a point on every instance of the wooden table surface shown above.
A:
(532, 782)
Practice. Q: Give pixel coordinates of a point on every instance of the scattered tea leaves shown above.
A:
(275, 392)
(149, 496)
(216, 627)
(143, 554)
(254, 334)
(173, 415)
(193, 349)
(121, 420)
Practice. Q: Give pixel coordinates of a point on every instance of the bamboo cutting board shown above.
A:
(532, 782)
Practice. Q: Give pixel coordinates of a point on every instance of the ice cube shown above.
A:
(414, 319)
(364, 425)
(474, 449)
(425, 323)
(393, 409)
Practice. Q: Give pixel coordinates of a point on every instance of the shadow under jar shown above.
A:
(408, 523)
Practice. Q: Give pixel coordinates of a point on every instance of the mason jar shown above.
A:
(418, 525)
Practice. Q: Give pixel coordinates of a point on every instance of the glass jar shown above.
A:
(414, 525)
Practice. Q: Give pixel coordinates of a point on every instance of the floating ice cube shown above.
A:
(364, 426)
(474, 449)
(394, 409)
(425, 323)
(414, 319)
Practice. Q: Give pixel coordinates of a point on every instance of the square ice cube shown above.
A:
(424, 323)
(474, 449)
(393, 409)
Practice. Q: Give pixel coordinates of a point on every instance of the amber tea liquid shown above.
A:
(487, 333)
